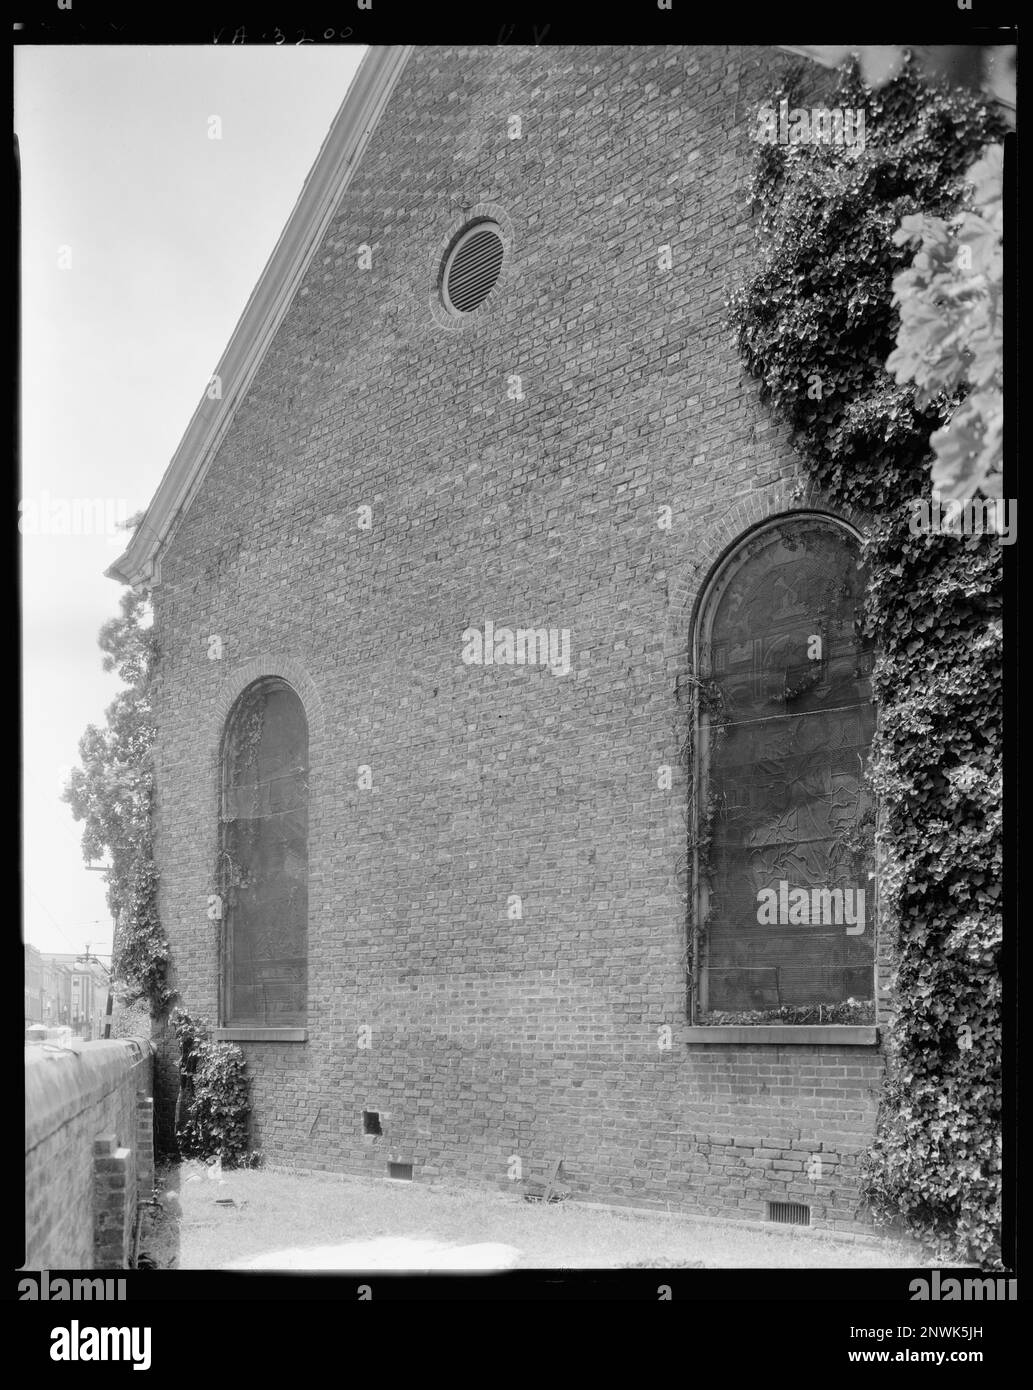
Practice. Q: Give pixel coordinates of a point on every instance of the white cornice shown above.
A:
(264, 312)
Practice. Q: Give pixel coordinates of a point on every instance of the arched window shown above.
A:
(264, 858)
(785, 906)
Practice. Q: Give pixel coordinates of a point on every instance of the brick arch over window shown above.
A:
(287, 669)
(783, 720)
(689, 582)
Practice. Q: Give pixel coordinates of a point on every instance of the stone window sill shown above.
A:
(241, 1033)
(800, 1034)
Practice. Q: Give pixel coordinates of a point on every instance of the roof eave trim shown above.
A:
(265, 310)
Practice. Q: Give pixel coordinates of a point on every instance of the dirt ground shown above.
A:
(258, 1219)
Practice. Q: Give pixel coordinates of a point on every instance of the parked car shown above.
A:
(39, 1033)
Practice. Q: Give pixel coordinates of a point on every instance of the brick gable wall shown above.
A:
(494, 1038)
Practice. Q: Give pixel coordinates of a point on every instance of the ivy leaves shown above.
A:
(951, 331)
(836, 275)
(217, 1119)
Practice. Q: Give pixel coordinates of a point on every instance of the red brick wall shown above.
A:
(494, 1038)
(88, 1152)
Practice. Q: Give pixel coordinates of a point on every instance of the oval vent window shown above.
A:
(473, 267)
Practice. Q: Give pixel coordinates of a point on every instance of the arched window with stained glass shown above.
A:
(264, 859)
(783, 826)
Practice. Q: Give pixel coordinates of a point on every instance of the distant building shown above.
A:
(88, 993)
(48, 989)
(35, 993)
(62, 989)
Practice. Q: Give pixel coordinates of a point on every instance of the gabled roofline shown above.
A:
(338, 158)
(320, 196)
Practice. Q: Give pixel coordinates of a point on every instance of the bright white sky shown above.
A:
(168, 232)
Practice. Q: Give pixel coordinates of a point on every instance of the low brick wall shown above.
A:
(89, 1151)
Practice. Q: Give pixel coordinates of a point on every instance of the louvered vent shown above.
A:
(789, 1213)
(473, 268)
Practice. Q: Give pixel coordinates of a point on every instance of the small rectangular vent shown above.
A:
(789, 1213)
(401, 1172)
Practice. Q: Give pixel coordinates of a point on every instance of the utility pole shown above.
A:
(106, 869)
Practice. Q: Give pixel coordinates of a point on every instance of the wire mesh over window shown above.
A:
(785, 826)
(264, 859)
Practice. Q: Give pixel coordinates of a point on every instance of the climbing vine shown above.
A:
(213, 1113)
(708, 703)
(815, 324)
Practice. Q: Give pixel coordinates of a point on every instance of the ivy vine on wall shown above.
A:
(816, 323)
(213, 1112)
